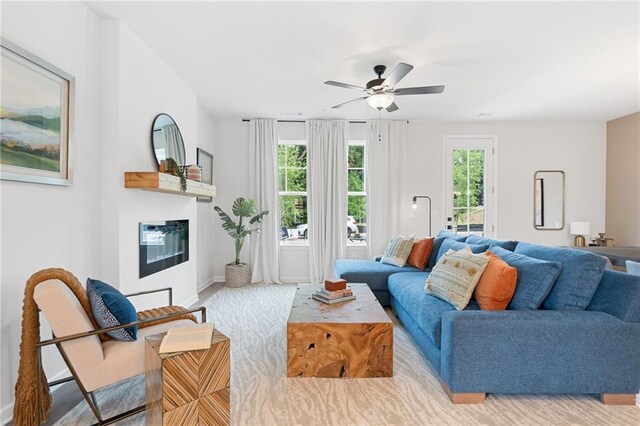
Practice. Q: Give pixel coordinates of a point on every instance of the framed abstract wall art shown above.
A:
(205, 160)
(36, 118)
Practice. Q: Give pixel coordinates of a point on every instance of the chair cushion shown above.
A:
(497, 284)
(535, 278)
(426, 310)
(455, 276)
(420, 252)
(65, 315)
(505, 244)
(373, 273)
(398, 250)
(111, 308)
(579, 279)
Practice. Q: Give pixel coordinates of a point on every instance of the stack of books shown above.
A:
(334, 291)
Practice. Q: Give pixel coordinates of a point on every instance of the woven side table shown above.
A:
(188, 388)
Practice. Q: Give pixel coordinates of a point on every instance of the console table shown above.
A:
(617, 255)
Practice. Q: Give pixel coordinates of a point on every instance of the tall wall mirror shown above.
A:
(548, 201)
(167, 139)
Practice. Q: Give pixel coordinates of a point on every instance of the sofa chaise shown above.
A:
(582, 338)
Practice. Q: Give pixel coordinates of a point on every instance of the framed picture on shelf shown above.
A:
(36, 118)
(205, 161)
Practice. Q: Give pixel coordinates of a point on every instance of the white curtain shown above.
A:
(172, 143)
(327, 144)
(386, 150)
(263, 187)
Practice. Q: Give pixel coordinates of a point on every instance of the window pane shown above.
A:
(357, 219)
(476, 178)
(293, 210)
(283, 179)
(460, 178)
(297, 156)
(356, 156)
(282, 155)
(297, 180)
(356, 180)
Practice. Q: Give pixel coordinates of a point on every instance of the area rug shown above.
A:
(255, 317)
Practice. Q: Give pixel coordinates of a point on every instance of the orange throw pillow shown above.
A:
(420, 253)
(497, 285)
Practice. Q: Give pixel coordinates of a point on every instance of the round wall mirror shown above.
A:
(167, 139)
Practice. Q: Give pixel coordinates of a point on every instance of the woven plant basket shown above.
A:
(236, 275)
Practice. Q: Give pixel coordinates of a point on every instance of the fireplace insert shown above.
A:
(162, 245)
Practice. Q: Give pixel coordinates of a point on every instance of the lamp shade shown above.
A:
(580, 228)
(380, 100)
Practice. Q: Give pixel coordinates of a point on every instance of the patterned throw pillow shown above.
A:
(455, 276)
(398, 250)
(111, 308)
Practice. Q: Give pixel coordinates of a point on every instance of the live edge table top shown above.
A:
(364, 309)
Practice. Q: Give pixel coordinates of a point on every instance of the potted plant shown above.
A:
(236, 273)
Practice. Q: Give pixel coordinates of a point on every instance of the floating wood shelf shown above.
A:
(164, 182)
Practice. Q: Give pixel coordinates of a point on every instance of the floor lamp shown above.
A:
(415, 206)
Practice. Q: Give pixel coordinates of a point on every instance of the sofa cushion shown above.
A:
(455, 276)
(450, 244)
(368, 271)
(535, 278)
(420, 252)
(497, 284)
(442, 235)
(505, 244)
(398, 250)
(448, 234)
(578, 281)
(426, 310)
(111, 308)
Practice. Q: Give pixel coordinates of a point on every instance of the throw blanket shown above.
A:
(24, 411)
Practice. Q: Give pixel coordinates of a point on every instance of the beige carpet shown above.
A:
(255, 319)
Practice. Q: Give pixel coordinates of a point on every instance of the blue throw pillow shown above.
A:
(448, 243)
(448, 234)
(505, 244)
(111, 308)
(442, 235)
(535, 278)
(579, 279)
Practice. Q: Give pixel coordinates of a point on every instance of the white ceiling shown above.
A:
(511, 61)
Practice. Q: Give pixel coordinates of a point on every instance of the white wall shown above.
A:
(205, 213)
(91, 227)
(522, 148)
(42, 225)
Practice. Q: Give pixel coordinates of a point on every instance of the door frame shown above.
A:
(491, 174)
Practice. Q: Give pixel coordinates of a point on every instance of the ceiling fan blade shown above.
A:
(392, 107)
(425, 90)
(343, 85)
(397, 74)
(348, 102)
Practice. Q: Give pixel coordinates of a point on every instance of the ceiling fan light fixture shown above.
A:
(380, 101)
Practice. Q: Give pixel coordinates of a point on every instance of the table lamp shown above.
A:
(580, 229)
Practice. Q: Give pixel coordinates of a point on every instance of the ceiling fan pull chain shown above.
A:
(379, 127)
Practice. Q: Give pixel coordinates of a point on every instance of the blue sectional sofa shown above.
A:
(584, 338)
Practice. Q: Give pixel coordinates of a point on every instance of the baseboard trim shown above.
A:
(6, 412)
(218, 278)
(190, 301)
(206, 284)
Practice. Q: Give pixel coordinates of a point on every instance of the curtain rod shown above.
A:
(302, 121)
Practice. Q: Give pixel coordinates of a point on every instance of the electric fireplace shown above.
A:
(162, 245)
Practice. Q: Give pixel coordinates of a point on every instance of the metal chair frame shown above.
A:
(89, 396)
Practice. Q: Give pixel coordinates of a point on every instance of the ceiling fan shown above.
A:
(381, 92)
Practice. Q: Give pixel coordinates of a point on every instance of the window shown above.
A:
(357, 194)
(469, 180)
(292, 171)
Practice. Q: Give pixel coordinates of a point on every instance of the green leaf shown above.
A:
(243, 208)
(258, 218)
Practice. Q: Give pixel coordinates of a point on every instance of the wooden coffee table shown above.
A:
(351, 339)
